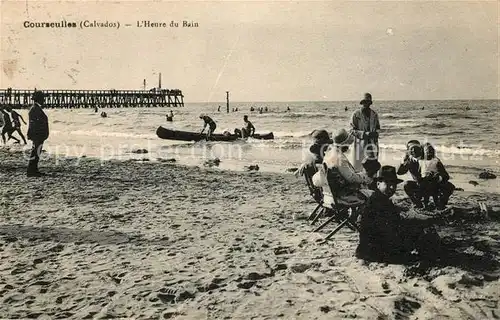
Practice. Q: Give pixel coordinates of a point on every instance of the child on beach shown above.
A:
(371, 167)
(434, 178)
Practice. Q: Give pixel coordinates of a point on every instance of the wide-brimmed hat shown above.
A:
(321, 136)
(202, 115)
(37, 95)
(367, 98)
(371, 165)
(343, 138)
(388, 174)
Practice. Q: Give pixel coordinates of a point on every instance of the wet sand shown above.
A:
(158, 240)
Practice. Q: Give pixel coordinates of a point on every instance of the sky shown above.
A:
(259, 50)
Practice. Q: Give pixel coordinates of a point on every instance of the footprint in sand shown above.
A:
(404, 307)
(169, 295)
(385, 286)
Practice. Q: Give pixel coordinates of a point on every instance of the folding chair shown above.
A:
(316, 192)
(344, 212)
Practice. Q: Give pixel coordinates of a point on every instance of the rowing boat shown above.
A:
(169, 134)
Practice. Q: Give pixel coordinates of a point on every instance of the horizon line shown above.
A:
(381, 100)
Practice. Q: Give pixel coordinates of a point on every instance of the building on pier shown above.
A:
(156, 97)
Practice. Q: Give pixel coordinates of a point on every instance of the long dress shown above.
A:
(364, 146)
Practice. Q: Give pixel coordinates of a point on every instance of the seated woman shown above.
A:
(321, 143)
(316, 152)
(347, 184)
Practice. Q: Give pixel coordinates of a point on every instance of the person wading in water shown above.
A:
(248, 130)
(210, 123)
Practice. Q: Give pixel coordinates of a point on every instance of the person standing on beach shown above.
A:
(365, 127)
(38, 132)
(208, 122)
(17, 124)
(7, 127)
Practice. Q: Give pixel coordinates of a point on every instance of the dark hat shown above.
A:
(37, 95)
(321, 136)
(388, 174)
(342, 137)
(367, 98)
(371, 165)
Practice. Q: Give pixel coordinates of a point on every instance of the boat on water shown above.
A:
(169, 134)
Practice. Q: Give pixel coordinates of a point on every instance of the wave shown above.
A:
(449, 133)
(293, 134)
(393, 116)
(309, 115)
(464, 169)
(436, 125)
(453, 149)
(450, 115)
(113, 134)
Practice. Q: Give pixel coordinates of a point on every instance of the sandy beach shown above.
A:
(139, 240)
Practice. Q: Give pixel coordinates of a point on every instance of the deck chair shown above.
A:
(344, 211)
(317, 193)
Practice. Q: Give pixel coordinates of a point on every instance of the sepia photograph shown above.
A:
(249, 159)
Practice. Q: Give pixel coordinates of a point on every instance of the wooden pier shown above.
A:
(69, 99)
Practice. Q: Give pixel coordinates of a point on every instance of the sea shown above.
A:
(465, 133)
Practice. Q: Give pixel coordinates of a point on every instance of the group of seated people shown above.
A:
(386, 230)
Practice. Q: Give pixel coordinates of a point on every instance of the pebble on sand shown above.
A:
(487, 175)
(139, 151)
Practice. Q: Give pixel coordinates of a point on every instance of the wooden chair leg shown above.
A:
(316, 218)
(332, 218)
(313, 214)
(334, 231)
(353, 226)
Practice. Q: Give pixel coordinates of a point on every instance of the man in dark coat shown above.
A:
(387, 232)
(38, 132)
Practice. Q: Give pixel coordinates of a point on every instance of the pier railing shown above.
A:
(68, 99)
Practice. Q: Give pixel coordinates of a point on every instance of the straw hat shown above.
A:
(321, 137)
(343, 138)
